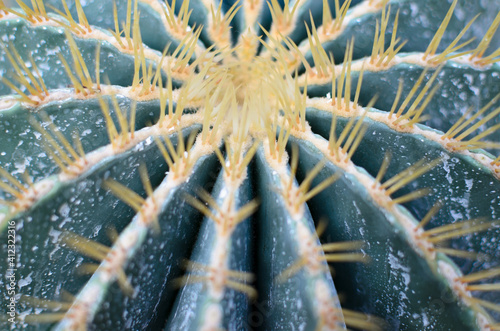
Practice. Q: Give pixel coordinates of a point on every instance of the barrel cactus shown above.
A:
(273, 165)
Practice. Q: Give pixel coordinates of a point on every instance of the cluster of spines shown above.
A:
(21, 192)
(217, 278)
(177, 22)
(36, 14)
(332, 26)
(121, 137)
(33, 83)
(477, 56)
(219, 28)
(284, 17)
(82, 27)
(71, 160)
(381, 57)
(179, 160)
(147, 207)
(465, 126)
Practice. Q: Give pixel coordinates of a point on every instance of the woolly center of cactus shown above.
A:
(249, 79)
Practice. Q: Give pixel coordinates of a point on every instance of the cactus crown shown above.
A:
(250, 165)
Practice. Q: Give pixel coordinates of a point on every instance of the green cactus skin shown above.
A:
(164, 168)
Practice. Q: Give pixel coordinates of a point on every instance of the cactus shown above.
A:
(269, 165)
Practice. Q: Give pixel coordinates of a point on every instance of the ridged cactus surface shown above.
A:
(267, 165)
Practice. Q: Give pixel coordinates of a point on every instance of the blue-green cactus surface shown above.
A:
(268, 165)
